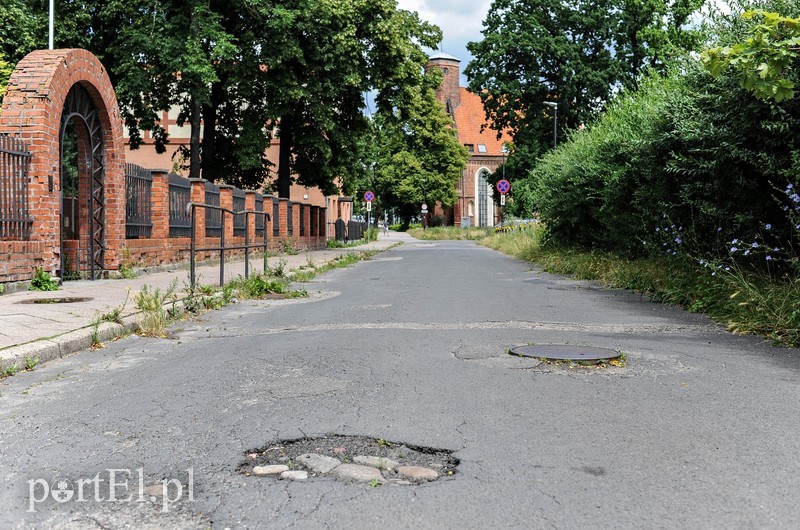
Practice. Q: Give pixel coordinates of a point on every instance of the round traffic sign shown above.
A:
(369, 196)
(503, 186)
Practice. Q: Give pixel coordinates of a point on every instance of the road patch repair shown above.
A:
(356, 459)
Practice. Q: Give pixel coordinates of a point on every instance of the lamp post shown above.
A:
(553, 105)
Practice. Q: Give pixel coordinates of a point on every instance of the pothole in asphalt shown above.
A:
(358, 459)
(66, 300)
(570, 354)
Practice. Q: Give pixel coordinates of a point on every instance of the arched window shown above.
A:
(471, 208)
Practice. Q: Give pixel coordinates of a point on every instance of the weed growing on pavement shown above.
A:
(7, 371)
(42, 281)
(96, 344)
(31, 363)
(374, 483)
(2, 288)
(126, 267)
(289, 248)
(155, 316)
(115, 315)
(279, 270)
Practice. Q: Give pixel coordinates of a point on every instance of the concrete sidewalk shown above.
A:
(47, 331)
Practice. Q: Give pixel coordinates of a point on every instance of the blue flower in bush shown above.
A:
(754, 245)
(769, 258)
(678, 240)
(768, 226)
(734, 249)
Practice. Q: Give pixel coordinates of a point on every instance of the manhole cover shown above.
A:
(358, 459)
(67, 300)
(563, 352)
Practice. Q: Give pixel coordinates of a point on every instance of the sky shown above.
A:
(461, 21)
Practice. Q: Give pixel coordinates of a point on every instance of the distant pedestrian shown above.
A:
(386, 228)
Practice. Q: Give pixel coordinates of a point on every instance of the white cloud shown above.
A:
(461, 22)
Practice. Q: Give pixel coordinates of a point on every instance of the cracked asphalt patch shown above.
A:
(699, 430)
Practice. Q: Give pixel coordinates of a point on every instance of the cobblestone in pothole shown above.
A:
(417, 473)
(376, 461)
(270, 470)
(294, 475)
(357, 459)
(318, 463)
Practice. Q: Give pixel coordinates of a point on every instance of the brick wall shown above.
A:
(32, 110)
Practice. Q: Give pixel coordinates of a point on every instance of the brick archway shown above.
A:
(32, 110)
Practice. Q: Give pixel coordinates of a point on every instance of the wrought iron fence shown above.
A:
(213, 216)
(240, 219)
(276, 217)
(259, 206)
(15, 220)
(138, 201)
(180, 195)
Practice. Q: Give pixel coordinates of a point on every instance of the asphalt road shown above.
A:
(699, 430)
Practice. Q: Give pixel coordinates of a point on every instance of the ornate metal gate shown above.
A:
(79, 105)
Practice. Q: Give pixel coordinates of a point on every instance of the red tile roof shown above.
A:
(469, 119)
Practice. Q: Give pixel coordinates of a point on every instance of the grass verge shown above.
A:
(747, 303)
(450, 232)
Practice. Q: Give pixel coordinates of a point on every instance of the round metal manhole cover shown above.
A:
(563, 352)
(66, 300)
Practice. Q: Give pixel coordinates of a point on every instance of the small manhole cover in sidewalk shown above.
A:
(66, 300)
(563, 352)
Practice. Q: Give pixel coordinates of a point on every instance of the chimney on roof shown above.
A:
(450, 91)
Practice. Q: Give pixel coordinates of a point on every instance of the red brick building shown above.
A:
(475, 196)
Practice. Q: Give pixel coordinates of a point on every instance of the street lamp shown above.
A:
(553, 105)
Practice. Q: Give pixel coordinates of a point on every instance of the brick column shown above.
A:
(250, 205)
(199, 197)
(159, 198)
(283, 207)
(226, 201)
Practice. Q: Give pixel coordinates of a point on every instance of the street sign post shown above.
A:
(503, 187)
(368, 197)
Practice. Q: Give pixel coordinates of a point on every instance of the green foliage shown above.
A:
(154, 316)
(235, 66)
(450, 232)
(745, 302)
(7, 371)
(5, 73)
(687, 151)
(572, 52)
(767, 60)
(418, 157)
(42, 281)
(31, 363)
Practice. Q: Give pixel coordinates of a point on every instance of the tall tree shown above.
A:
(323, 55)
(571, 52)
(419, 157)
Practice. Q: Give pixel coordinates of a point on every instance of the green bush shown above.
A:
(42, 281)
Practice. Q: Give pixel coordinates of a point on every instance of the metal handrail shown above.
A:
(192, 210)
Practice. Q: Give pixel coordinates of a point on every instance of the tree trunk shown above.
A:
(285, 157)
(211, 169)
(194, 141)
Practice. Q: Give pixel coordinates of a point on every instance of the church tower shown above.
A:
(449, 92)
